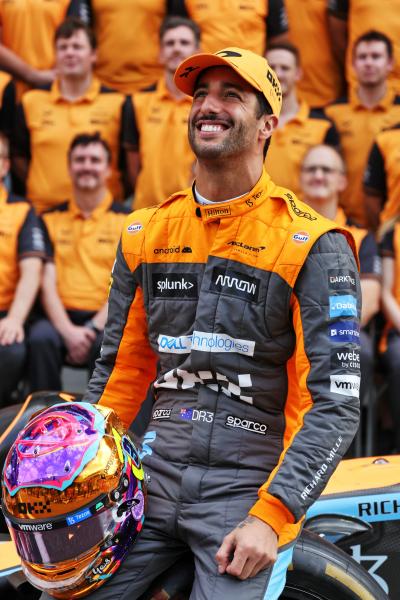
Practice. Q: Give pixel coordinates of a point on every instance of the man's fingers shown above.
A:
(90, 334)
(224, 553)
(20, 335)
(238, 562)
(248, 568)
(261, 565)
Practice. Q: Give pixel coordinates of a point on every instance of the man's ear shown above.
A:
(268, 125)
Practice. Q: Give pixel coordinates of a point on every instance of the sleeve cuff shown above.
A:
(272, 511)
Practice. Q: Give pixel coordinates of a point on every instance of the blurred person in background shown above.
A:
(322, 78)
(390, 342)
(160, 158)
(382, 178)
(128, 40)
(251, 25)
(322, 180)
(27, 30)
(349, 19)
(300, 126)
(371, 105)
(81, 238)
(48, 119)
(22, 254)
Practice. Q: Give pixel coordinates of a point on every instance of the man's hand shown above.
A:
(249, 548)
(79, 341)
(39, 77)
(11, 331)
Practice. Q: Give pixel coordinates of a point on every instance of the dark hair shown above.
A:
(288, 47)
(174, 21)
(375, 36)
(70, 26)
(264, 108)
(85, 139)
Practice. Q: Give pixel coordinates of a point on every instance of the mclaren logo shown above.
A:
(255, 249)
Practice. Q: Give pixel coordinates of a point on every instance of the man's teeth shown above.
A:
(207, 127)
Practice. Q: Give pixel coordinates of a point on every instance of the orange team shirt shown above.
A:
(28, 26)
(290, 143)
(166, 159)
(382, 174)
(46, 125)
(308, 31)
(364, 15)
(128, 44)
(357, 127)
(246, 24)
(20, 237)
(83, 250)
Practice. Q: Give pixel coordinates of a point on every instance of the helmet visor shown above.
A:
(47, 543)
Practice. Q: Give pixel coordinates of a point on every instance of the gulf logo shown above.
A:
(134, 227)
(301, 237)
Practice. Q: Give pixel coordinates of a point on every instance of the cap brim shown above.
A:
(189, 70)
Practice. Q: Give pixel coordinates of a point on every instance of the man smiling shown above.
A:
(244, 400)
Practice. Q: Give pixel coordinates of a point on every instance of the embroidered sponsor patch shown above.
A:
(234, 283)
(174, 345)
(246, 424)
(342, 306)
(194, 414)
(134, 227)
(203, 341)
(161, 413)
(346, 385)
(175, 285)
(342, 279)
(301, 237)
(345, 358)
(344, 331)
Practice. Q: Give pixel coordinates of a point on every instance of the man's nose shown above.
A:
(211, 103)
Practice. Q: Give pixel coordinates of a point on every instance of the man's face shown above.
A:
(89, 167)
(223, 119)
(371, 63)
(284, 64)
(74, 55)
(322, 176)
(176, 45)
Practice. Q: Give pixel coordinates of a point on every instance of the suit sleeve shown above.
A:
(322, 408)
(30, 238)
(127, 364)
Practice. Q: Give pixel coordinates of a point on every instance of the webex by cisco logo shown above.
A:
(235, 284)
(175, 285)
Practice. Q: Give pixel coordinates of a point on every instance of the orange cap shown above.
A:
(252, 67)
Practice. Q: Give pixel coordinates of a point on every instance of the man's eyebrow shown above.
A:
(225, 85)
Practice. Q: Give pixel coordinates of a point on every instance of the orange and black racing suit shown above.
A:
(243, 313)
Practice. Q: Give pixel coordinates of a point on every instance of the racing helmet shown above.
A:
(73, 497)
